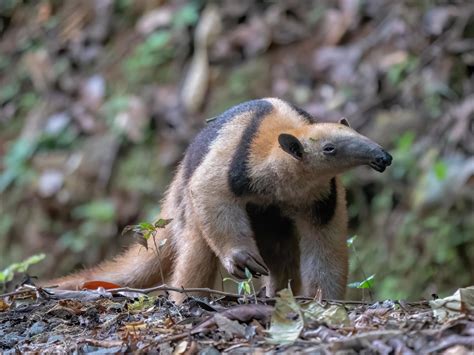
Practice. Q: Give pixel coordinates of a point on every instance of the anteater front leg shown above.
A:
(226, 228)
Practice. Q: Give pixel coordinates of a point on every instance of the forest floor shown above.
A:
(38, 320)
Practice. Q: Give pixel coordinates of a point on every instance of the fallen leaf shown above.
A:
(228, 326)
(3, 306)
(135, 326)
(180, 348)
(462, 301)
(287, 319)
(334, 315)
(247, 313)
(94, 285)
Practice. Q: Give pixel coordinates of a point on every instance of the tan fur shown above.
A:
(210, 224)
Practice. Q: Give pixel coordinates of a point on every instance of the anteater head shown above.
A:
(333, 148)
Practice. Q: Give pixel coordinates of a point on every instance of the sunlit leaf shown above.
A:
(367, 283)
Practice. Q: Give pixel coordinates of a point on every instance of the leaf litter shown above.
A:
(35, 320)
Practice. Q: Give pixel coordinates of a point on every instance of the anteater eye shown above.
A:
(329, 149)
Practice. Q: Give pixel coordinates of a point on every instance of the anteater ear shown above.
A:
(291, 145)
(344, 121)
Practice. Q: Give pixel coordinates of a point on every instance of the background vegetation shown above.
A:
(98, 100)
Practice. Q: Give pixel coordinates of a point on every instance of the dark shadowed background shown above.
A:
(98, 100)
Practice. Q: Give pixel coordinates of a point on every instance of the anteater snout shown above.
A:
(381, 161)
(384, 158)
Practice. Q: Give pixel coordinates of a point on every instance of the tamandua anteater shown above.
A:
(258, 188)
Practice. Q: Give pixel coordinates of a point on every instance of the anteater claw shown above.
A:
(241, 260)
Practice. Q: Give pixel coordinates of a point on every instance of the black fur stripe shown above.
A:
(198, 149)
(303, 113)
(322, 211)
(239, 179)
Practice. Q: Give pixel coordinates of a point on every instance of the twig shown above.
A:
(102, 343)
(175, 289)
(214, 292)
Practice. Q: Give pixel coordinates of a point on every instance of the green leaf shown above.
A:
(162, 223)
(146, 226)
(367, 283)
(287, 319)
(246, 287)
(248, 274)
(147, 235)
(240, 288)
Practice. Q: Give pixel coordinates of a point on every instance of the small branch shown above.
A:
(207, 291)
(175, 289)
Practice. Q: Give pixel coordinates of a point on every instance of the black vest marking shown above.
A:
(239, 179)
(199, 147)
(277, 242)
(303, 113)
(322, 211)
(269, 225)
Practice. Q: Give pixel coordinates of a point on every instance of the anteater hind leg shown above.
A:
(195, 266)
